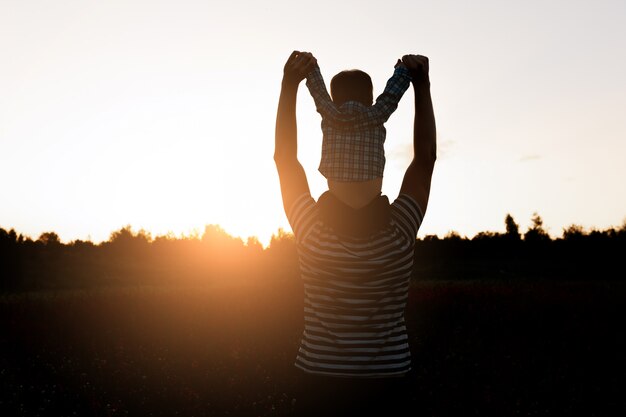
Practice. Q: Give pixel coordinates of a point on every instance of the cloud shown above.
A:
(404, 153)
(401, 154)
(445, 147)
(531, 157)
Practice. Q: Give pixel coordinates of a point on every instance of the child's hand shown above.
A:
(310, 62)
(399, 64)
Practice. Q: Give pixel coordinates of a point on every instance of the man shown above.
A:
(355, 263)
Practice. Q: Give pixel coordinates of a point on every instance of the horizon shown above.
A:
(198, 233)
(162, 116)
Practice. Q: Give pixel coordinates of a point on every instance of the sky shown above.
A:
(160, 114)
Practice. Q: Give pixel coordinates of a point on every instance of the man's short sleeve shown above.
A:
(408, 215)
(301, 216)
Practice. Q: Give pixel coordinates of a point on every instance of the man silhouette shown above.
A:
(356, 265)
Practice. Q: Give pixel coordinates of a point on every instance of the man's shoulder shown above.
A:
(405, 201)
(301, 205)
(407, 214)
(405, 198)
(301, 213)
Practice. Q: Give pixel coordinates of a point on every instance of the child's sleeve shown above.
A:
(323, 103)
(387, 102)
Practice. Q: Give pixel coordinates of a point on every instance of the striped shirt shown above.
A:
(353, 133)
(355, 293)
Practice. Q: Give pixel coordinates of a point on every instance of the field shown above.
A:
(479, 348)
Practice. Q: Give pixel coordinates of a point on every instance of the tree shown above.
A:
(512, 228)
(536, 232)
(49, 239)
(254, 245)
(486, 236)
(283, 245)
(129, 245)
(9, 260)
(573, 232)
(453, 235)
(215, 237)
(10, 236)
(125, 235)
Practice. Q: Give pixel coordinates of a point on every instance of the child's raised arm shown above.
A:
(387, 102)
(323, 102)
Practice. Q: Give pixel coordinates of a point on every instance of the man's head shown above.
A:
(352, 85)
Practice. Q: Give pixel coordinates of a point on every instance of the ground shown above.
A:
(526, 347)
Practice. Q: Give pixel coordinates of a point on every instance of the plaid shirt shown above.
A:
(353, 133)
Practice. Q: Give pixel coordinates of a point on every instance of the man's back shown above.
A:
(356, 290)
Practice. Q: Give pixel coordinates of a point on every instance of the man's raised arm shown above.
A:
(293, 182)
(418, 176)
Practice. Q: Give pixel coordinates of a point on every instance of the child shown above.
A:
(353, 156)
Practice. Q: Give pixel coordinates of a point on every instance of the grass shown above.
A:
(479, 348)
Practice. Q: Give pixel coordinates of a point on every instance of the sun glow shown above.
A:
(162, 117)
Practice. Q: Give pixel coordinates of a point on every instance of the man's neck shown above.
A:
(356, 194)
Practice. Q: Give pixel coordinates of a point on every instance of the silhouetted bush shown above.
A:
(215, 257)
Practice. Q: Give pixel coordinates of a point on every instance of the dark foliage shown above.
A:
(215, 257)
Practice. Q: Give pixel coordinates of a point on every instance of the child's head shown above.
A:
(352, 85)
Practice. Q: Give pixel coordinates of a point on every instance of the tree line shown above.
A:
(217, 258)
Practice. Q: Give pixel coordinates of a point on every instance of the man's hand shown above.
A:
(418, 67)
(298, 66)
